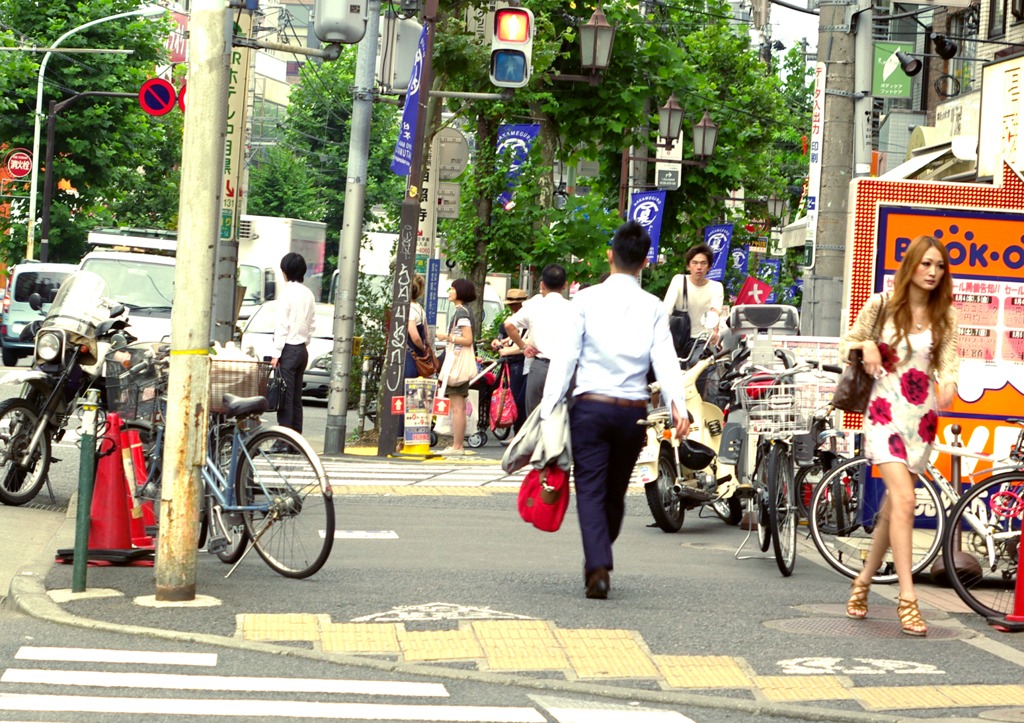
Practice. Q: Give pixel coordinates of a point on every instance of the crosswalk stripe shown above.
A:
(170, 681)
(98, 655)
(244, 708)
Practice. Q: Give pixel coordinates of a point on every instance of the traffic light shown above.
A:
(511, 47)
(340, 21)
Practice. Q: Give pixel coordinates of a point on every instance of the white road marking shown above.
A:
(364, 535)
(855, 666)
(168, 681)
(438, 611)
(133, 657)
(244, 708)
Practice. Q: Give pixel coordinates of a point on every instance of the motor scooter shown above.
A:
(684, 474)
(72, 344)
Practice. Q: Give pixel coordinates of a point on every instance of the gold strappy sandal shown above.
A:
(857, 605)
(911, 622)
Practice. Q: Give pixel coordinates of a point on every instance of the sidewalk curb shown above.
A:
(27, 594)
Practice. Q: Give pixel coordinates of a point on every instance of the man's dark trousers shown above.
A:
(606, 441)
(291, 366)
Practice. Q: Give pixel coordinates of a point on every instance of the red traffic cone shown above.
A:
(109, 527)
(135, 514)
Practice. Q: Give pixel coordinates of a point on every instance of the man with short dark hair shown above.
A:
(294, 329)
(545, 316)
(617, 331)
(695, 292)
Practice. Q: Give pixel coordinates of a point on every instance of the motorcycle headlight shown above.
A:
(48, 346)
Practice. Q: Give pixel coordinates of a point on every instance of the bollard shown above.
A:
(86, 479)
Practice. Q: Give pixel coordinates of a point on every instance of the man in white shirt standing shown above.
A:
(294, 329)
(618, 332)
(702, 294)
(546, 316)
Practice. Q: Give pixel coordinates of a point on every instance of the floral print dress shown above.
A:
(902, 416)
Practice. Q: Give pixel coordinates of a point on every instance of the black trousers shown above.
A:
(291, 366)
(606, 441)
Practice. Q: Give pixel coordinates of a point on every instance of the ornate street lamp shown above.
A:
(776, 205)
(670, 121)
(705, 137)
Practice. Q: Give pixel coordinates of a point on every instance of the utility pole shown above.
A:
(351, 236)
(844, 46)
(393, 378)
(188, 387)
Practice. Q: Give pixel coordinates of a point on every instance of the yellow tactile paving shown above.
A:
(359, 638)
(938, 696)
(795, 688)
(606, 654)
(702, 671)
(280, 627)
(439, 644)
(519, 645)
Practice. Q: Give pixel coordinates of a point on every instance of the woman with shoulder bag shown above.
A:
(460, 338)
(914, 362)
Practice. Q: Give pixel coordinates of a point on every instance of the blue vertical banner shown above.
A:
(718, 238)
(769, 271)
(647, 208)
(739, 257)
(516, 139)
(433, 279)
(402, 160)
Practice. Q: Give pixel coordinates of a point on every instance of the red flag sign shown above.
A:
(754, 291)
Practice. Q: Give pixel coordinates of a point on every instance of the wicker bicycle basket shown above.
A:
(776, 408)
(239, 377)
(136, 393)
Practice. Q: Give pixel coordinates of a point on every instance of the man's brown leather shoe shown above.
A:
(598, 584)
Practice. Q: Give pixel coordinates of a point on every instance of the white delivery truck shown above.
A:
(262, 242)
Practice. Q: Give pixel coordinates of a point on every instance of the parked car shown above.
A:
(258, 336)
(26, 279)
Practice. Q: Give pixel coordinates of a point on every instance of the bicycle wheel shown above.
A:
(807, 478)
(662, 500)
(782, 507)
(294, 529)
(988, 518)
(20, 484)
(227, 525)
(764, 531)
(843, 513)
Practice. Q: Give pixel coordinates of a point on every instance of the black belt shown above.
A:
(605, 399)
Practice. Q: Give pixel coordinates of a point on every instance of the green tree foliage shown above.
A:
(281, 184)
(115, 157)
(685, 47)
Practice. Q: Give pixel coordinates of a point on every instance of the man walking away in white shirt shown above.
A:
(295, 307)
(546, 316)
(618, 332)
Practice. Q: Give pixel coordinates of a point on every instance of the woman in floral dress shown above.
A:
(915, 365)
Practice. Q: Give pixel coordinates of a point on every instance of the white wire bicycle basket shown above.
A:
(782, 408)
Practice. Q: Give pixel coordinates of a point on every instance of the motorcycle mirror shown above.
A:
(116, 310)
(118, 341)
(35, 301)
(710, 319)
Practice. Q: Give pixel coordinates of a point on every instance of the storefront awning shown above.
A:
(910, 168)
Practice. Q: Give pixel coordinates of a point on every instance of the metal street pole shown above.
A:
(199, 205)
(351, 235)
(51, 121)
(393, 378)
(147, 11)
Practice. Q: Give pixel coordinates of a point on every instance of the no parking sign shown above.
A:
(157, 96)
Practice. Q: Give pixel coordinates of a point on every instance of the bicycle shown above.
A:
(817, 454)
(846, 502)
(263, 486)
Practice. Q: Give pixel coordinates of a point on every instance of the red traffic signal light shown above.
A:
(511, 47)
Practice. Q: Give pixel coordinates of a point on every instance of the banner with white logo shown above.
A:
(647, 209)
(517, 139)
(402, 160)
(769, 271)
(718, 238)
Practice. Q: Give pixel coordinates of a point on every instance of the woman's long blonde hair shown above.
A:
(939, 300)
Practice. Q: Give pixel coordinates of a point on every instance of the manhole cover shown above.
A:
(843, 627)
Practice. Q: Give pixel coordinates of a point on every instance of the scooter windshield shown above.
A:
(81, 304)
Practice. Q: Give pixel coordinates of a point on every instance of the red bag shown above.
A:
(503, 403)
(544, 497)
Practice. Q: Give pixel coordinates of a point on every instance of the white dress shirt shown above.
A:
(547, 317)
(618, 331)
(295, 307)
